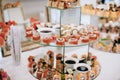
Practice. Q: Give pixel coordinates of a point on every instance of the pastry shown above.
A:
(60, 41)
(74, 56)
(84, 39)
(81, 76)
(73, 41)
(92, 37)
(39, 71)
(68, 77)
(29, 34)
(36, 37)
(31, 64)
(57, 76)
(91, 75)
(51, 57)
(47, 40)
(59, 56)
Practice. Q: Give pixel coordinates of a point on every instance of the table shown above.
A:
(110, 65)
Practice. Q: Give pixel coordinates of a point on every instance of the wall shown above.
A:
(31, 8)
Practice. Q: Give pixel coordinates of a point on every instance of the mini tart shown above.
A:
(47, 40)
(84, 39)
(92, 36)
(97, 33)
(36, 37)
(60, 41)
(29, 34)
(73, 41)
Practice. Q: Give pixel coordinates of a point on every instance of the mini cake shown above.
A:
(92, 36)
(73, 41)
(29, 34)
(36, 37)
(60, 41)
(84, 39)
(47, 40)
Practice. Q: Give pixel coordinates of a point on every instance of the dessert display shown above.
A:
(111, 26)
(112, 12)
(63, 4)
(4, 75)
(43, 68)
(108, 44)
(71, 35)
